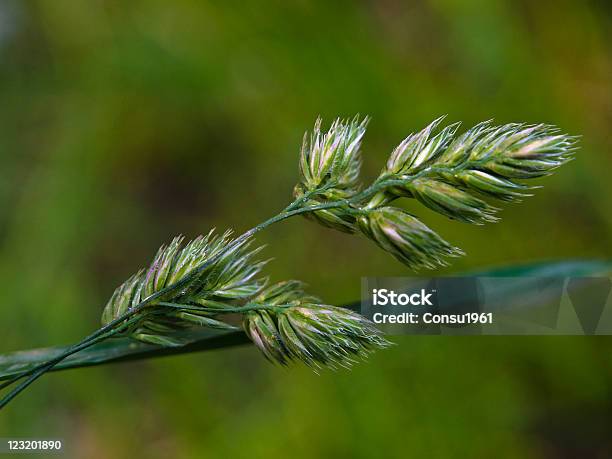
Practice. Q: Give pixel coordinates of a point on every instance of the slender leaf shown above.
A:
(119, 350)
(125, 349)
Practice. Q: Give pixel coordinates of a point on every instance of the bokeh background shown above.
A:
(123, 124)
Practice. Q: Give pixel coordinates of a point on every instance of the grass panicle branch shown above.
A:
(454, 175)
(203, 283)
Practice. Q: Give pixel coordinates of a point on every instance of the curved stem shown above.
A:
(122, 322)
(296, 207)
(92, 338)
(41, 369)
(289, 211)
(386, 181)
(117, 326)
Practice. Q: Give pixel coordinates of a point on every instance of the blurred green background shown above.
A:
(123, 124)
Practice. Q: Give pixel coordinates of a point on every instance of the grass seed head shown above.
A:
(453, 175)
(300, 328)
(232, 276)
(406, 238)
(332, 158)
(195, 284)
(315, 334)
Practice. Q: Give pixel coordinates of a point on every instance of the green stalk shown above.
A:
(84, 343)
(510, 152)
(117, 325)
(383, 182)
(294, 208)
(41, 369)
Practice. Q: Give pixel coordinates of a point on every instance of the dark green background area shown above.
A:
(123, 124)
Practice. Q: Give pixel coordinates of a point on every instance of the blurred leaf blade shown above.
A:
(126, 349)
(566, 268)
(118, 350)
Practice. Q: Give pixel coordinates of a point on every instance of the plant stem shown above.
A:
(386, 181)
(92, 338)
(41, 369)
(122, 323)
(131, 316)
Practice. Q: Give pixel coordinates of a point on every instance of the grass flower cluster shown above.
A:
(454, 175)
(291, 325)
(207, 281)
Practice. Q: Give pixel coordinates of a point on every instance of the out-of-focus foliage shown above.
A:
(125, 123)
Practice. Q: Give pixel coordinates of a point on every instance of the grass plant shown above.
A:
(209, 280)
